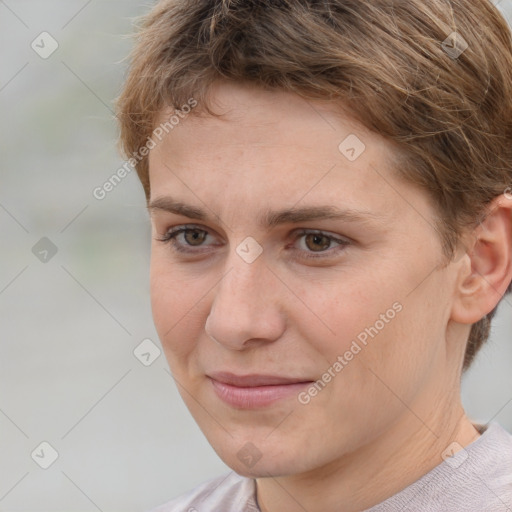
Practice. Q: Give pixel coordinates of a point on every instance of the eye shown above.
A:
(182, 237)
(313, 241)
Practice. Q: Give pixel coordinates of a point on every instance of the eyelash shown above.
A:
(170, 238)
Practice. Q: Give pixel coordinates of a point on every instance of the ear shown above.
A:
(485, 271)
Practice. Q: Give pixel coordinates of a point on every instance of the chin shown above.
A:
(263, 469)
(260, 459)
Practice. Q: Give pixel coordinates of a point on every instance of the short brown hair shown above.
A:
(450, 116)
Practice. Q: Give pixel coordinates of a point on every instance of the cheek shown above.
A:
(380, 334)
(348, 310)
(397, 358)
(175, 304)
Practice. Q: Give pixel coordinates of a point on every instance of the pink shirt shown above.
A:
(476, 479)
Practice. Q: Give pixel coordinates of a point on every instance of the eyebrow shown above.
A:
(271, 218)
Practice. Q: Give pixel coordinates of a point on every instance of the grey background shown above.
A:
(69, 325)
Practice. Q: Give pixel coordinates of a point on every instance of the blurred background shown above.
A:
(90, 418)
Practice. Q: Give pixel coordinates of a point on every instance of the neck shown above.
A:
(407, 450)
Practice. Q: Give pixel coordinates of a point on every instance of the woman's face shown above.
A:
(305, 261)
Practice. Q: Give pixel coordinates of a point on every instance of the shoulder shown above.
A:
(476, 478)
(229, 492)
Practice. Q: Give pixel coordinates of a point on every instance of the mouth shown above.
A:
(255, 390)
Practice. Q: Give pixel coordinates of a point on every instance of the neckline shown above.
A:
(482, 429)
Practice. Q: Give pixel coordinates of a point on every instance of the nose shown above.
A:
(246, 309)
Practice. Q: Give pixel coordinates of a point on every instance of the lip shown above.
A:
(254, 390)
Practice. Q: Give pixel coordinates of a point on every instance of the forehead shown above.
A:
(276, 147)
(256, 117)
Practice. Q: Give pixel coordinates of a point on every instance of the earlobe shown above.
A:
(486, 270)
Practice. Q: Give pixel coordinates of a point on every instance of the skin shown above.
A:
(385, 419)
